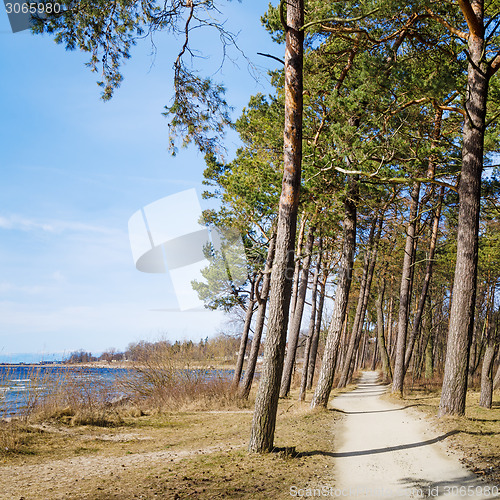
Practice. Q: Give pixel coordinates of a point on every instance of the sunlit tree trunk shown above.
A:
(426, 283)
(461, 321)
(317, 330)
(312, 323)
(244, 338)
(359, 316)
(325, 382)
(384, 357)
(496, 380)
(296, 272)
(367, 283)
(293, 335)
(405, 294)
(486, 396)
(246, 384)
(266, 403)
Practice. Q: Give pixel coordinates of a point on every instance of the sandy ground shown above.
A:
(69, 478)
(389, 451)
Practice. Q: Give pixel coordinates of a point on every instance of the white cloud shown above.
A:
(20, 223)
(96, 327)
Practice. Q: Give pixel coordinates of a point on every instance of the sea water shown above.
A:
(20, 385)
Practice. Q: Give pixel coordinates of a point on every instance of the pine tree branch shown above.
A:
(473, 23)
(447, 25)
(452, 108)
(494, 65)
(271, 57)
(395, 180)
(339, 20)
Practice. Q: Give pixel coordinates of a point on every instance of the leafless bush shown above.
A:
(160, 380)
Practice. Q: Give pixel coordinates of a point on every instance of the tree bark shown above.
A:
(358, 319)
(293, 335)
(246, 384)
(325, 382)
(496, 380)
(461, 322)
(405, 294)
(296, 272)
(486, 396)
(375, 354)
(429, 346)
(390, 335)
(384, 357)
(425, 286)
(317, 330)
(244, 338)
(266, 403)
(366, 286)
(312, 323)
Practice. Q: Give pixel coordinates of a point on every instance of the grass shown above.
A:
(175, 433)
(180, 454)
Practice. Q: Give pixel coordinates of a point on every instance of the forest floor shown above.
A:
(183, 454)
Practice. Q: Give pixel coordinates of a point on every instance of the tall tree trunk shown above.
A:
(296, 272)
(246, 384)
(429, 357)
(372, 260)
(405, 294)
(317, 330)
(384, 357)
(425, 286)
(244, 338)
(358, 319)
(461, 321)
(325, 382)
(312, 323)
(375, 354)
(496, 380)
(390, 330)
(361, 355)
(266, 403)
(293, 335)
(486, 396)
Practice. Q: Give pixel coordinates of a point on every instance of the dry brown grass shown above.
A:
(199, 454)
(159, 381)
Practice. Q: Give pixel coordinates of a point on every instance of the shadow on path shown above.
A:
(372, 411)
(378, 450)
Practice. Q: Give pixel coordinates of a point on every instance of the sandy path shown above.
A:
(388, 451)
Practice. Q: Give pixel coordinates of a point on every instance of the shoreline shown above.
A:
(123, 365)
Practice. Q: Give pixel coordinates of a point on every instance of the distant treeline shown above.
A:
(222, 348)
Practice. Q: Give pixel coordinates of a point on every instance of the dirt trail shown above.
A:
(388, 451)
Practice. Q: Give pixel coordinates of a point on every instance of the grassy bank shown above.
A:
(183, 454)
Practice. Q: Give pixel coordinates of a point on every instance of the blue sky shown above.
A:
(74, 170)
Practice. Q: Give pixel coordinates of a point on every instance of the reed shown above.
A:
(164, 381)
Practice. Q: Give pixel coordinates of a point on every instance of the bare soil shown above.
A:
(177, 455)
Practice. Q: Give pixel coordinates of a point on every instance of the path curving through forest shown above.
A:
(388, 451)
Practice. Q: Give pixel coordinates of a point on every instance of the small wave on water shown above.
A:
(20, 385)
